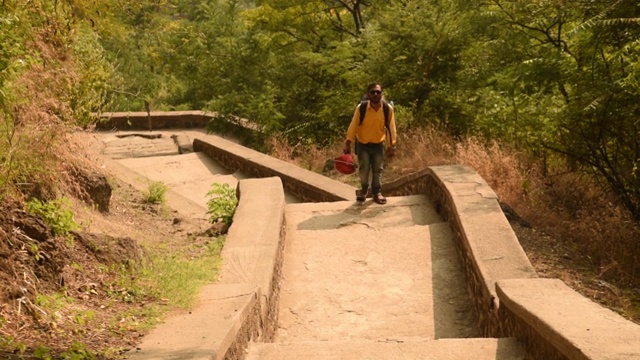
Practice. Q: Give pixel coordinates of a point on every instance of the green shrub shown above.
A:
(222, 204)
(155, 193)
(55, 213)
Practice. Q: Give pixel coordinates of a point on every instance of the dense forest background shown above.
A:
(557, 80)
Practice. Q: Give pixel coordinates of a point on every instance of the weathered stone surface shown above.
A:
(555, 322)
(183, 142)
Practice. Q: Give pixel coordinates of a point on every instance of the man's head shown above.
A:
(374, 92)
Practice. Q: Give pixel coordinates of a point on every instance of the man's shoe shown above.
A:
(361, 196)
(378, 198)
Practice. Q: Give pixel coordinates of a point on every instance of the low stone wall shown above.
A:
(488, 249)
(253, 253)
(138, 120)
(157, 120)
(464, 199)
(303, 184)
(550, 319)
(555, 322)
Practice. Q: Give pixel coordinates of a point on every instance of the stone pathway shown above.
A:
(373, 282)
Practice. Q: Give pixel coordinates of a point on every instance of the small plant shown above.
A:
(78, 351)
(222, 204)
(155, 193)
(42, 352)
(56, 214)
(83, 318)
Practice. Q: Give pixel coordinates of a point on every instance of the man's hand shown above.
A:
(347, 147)
(391, 151)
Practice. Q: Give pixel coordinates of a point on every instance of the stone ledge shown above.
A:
(488, 253)
(303, 184)
(140, 120)
(555, 322)
(226, 318)
(243, 306)
(155, 120)
(254, 245)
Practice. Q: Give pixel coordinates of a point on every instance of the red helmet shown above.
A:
(344, 164)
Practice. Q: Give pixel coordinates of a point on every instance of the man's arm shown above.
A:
(351, 132)
(392, 127)
(392, 133)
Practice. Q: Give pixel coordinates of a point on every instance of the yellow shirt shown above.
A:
(372, 129)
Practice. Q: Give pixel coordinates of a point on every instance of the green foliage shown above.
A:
(125, 289)
(155, 193)
(83, 318)
(52, 303)
(560, 82)
(222, 203)
(557, 79)
(56, 214)
(77, 351)
(96, 76)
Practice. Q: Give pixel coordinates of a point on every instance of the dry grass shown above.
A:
(502, 168)
(588, 219)
(41, 159)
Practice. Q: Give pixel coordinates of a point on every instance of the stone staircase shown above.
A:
(364, 281)
(331, 279)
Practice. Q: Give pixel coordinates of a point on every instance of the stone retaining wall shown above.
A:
(478, 289)
(303, 184)
(253, 254)
(157, 120)
(482, 233)
(138, 120)
(555, 322)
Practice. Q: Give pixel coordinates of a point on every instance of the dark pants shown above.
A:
(370, 163)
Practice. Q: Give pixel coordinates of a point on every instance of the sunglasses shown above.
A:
(375, 92)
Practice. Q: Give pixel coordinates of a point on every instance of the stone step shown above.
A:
(365, 271)
(423, 349)
(399, 211)
(372, 283)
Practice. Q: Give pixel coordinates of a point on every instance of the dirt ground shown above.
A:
(102, 315)
(95, 311)
(553, 259)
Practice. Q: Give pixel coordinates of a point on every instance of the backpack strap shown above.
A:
(363, 110)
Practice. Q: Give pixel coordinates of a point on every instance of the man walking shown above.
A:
(373, 122)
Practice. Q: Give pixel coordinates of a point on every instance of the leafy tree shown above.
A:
(575, 60)
(54, 76)
(554, 77)
(282, 70)
(415, 50)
